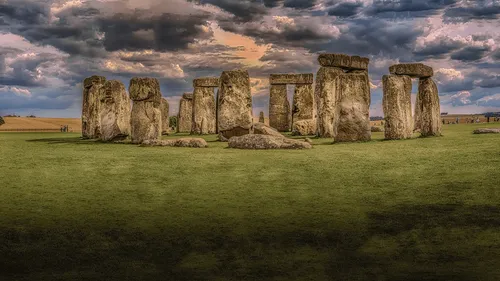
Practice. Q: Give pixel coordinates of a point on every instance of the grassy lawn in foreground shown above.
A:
(419, 209)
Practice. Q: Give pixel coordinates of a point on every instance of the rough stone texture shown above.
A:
(279, 108)
(184, 142)
(303, 103)
(235, 104)
(210, 82)
(354, 118)
(185, 115)
(204, 120)
(417, 118)
(114, 112)
(262, 129)
(261, 117)
(145, 119)
(343, 61)
(414, 70)
(327, 97)
(283, 79)
(304, 127)
(90, 108)
(430, 110)
(487, 131)
(397, 107)
(266, 142)
(144, 89)
(377, 129)
(165, 122)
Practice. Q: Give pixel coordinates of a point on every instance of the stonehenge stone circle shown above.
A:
(353, 123)
(204, 108)
(303, 103)
(235, 105)
(397, 107)
(185, 115)
(114, 112)
(261, 118)
(414, 70)
(284, 79)
(279, 108)
(252, 141)
(90, 109)
(165, 122)
(327, 98)
(145, 119)
(430, 110)
(343, 61)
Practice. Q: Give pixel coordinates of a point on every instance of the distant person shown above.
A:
(488, 119)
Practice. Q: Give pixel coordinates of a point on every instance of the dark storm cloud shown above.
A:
(471, 53)
(300, 4)
(412, 8)
(496, 55)
(345, 9)
(25, 12)
(474, 10)
(489, 82)
(439, 48)
(243, 10)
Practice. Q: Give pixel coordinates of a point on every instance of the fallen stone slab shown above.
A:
(262, 129)
(344, 61)
(184, 142)
(304, 128)
(283, 79)
(266, 142)
(414, 70)
(209, 82)
(487, 131)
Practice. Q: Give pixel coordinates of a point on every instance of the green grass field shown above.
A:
(420, 209)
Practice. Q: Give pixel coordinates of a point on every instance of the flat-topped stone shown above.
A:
(414, 70)
(344, 61)
(281, 79)
(187, 96)
(211, 82)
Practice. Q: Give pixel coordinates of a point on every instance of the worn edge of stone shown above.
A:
(291, 78)
(414, 70)
(344, 61)
(211, 82)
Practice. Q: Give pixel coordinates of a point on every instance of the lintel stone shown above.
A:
(211, 82)
(281, 79)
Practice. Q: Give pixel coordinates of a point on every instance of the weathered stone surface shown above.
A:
(165, 122)
(204, 120)
(397, 107)
(430, 110)
(266, 142)
(185, 115)
(414, 70)
(261, 118)
(327, 98)
(184, 142)
(262, 129)
(303, 103)
(377, 129)
(114, 111)
(210, 82)
(235, 104)
(304, 127)
(279, 108)
(145, 121)
(417, 118)
(91, 127)
(343, 61)
(144, 89)
(487, 131)
(354, 118)
(283, 79)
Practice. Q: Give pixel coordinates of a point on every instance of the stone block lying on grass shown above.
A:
(185, 142)
(487, 131)
(266, 142)
(262, 129)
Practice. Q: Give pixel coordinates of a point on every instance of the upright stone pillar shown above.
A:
(204, 109)
(114, 112)
(165, 122)
(303, 103)
(327, 99)
(91, 105)
(185, 115)
(397, 107)
(279, 108)
(261, 118)
(235, 104)
(417, 113)
(430, 110)
(145, 119)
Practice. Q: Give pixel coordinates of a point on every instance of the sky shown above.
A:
(47, 47)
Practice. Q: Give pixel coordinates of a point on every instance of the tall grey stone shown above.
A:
(327, 98)
(397, 107)
(146, 115)
(261, 118)
(165, 122)
(114, 111)
(430, 110)
(417, 112)
(204, 108)
(303, 103)
(235, 104)
(185, 115)
(91, 105)
(279, 108)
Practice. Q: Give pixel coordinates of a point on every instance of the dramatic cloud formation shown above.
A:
(47, 47)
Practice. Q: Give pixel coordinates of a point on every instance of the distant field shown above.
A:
(413, 210)
(33, 124)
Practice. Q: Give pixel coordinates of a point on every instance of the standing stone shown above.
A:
(203, 111)
(430, 110)
(261, 118)
(185, 117)
(397, 107)
(90, 109)
(279, 108)
(327, 98)
(417, 114)
(235, 104)
(146, 114)
(165, 122)
(115, 112)
(303, 103)
(354, 118)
